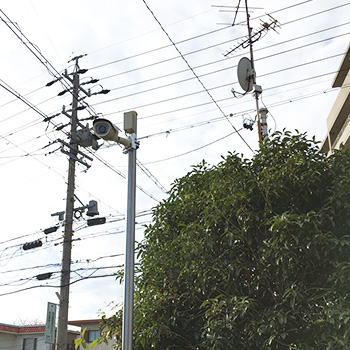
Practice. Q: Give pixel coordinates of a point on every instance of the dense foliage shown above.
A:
(249, 254)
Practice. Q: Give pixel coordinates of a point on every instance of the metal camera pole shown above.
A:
(130, 120)
(104, 129)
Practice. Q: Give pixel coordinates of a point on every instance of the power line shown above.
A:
(231, 83)
(111, 219)
(316, 13)
(229, 67)
(216, 71)
(111, 167)
(194, 150)
(279, 103)
(191, 38)
(55, 286)
(206, 90)
(222, 60)
(151, 176)
(214, 62)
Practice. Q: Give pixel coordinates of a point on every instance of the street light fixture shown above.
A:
(104, 129)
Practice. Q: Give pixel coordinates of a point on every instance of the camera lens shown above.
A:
(102, 128)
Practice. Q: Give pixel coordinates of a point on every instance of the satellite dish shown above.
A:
(244, 69)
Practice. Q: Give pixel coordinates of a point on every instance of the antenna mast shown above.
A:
(256, 91)
(246, 71)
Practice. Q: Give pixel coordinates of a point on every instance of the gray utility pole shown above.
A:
(104, 129)
(68, 226)
(130, 122)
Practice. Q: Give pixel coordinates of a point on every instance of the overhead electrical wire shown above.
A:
(298, 65)
(25, 280)
(30, 46)
(274, 11)
(74, 262)
(192, 38)
(38, 54)
(218, 61)
(238, 55)
(201, 83)
(251, 110)
(17, 95)
(233, 115)
(151, 176)
(193, 150)
(279, 103)
(56, 286)
(114, 169)
(110, 219)
(94, 154)
(316, 13)
(227, 85)
(214, 72)
(209, 73)
(47, 65)
(176, 57)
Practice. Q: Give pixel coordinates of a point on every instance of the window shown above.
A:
(93, 335)
(29, 344)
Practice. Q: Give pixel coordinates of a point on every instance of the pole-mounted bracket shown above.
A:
(135, 144)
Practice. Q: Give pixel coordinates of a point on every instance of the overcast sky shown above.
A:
(164, 59)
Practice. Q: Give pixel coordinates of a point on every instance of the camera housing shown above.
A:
(104, 129)
(107, 131)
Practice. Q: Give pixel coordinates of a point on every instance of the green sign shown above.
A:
(50, 328)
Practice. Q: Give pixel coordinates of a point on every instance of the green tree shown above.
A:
(248, 254)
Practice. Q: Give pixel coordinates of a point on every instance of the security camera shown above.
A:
(104, 129)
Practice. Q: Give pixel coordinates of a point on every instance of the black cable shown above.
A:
(148, 173)
(218, 61)
(37, 53)
(316, 13)
(192, 52)
(229, 84)
(191, 38)
(217, 71)
(229, 67)
(193, 150)
(55, 286)
(223, 60)
(111, 167)
(110, 219)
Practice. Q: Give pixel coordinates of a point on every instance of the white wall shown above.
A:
(15, 342)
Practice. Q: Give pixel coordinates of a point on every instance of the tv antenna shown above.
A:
(246, 71)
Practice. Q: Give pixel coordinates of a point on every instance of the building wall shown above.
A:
(12, 337)
(10, 342)
(15, 342)
(91, 326)
(338, 121)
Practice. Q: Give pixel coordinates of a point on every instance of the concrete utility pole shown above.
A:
(68, 227)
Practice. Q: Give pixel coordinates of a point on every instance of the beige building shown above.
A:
(338, 119)
(92, 333)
